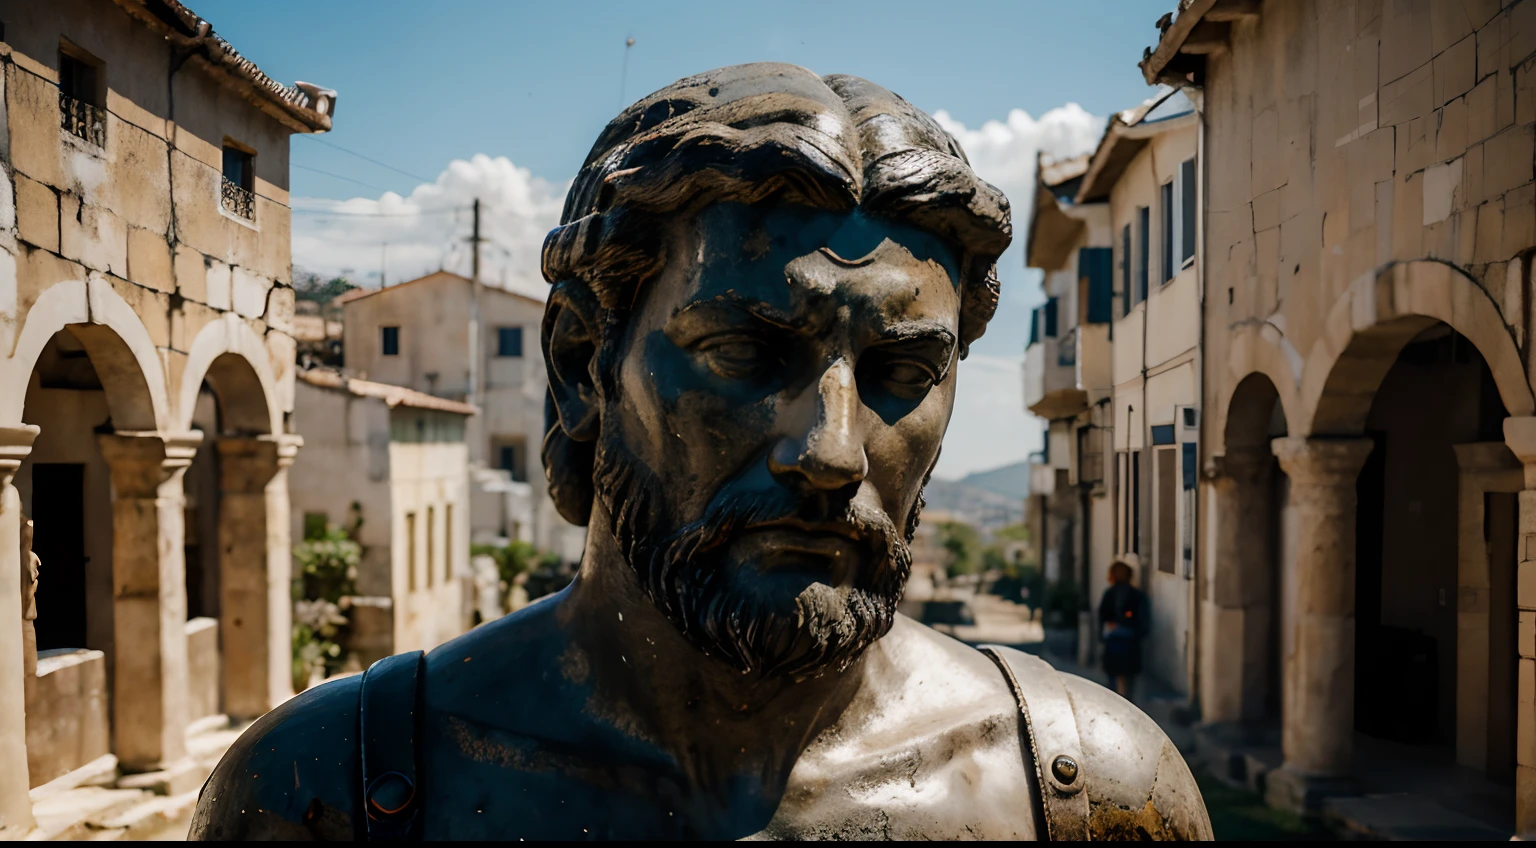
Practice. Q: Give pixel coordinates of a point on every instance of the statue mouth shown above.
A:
(830, 552)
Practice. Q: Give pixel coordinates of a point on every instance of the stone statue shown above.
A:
(29, 568)
(762, 284)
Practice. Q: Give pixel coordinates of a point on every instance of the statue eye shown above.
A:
(735, 357)
(909, 379)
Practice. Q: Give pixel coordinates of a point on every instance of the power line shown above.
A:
(369, 159)
(336, 214)
(338, 176)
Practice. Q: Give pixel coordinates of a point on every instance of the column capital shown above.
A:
(142, 460)
(1242, 463)
(1322, 461)
(248, 463)
(15, 445)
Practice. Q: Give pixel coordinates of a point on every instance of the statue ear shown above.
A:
(570, 339)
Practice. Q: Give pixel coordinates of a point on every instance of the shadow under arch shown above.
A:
(232, 359)
(119, 346)
(1377, 317)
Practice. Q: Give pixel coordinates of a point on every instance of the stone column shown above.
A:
(1520, 435)
(1239, 604)
(149, 608)
(255, 556)
(1317, 735)
(15, 803)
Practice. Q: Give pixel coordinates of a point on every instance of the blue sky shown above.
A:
(421, 85)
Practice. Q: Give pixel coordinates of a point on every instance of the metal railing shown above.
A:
(81, 119)
(236, 200)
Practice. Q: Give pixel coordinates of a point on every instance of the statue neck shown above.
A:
(726, 731)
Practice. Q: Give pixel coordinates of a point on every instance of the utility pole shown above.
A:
(383, 261)
(476, 373)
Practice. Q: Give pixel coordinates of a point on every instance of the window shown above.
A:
(237, 194)
(1135, 535)
(315, 524)
(431, 551)
(390, 339)
(1034, 326)
(1166, 225)
(80, 96)
(1187, 210)
(509, 341)
(1125, 269)
(410, 551)
(1143, 251)
(448, 540)
(1167, 509)
(510, 458)
(1050, 319)
(1096, 284)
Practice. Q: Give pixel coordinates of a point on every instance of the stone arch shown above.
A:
(1256, 349)
(1379, 314)
(231, 357)
(120, 348)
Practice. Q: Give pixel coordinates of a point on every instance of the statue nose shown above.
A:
(829, 454)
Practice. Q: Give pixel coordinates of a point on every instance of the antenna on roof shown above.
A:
(624, 73)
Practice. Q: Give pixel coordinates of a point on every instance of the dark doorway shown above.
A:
(1501, 523)
(58, 520)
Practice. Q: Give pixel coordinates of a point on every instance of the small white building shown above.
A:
(398, 458)
(420, 334)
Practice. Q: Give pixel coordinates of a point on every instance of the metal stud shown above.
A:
(1065, 769)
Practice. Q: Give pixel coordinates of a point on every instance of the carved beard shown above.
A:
(729, 610)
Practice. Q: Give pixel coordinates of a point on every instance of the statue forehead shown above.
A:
(778, 251)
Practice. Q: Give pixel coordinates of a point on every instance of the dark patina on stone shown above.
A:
(763, 283)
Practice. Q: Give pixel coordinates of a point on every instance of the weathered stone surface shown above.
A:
(37, 213)
(219, 282)
(149, 260)
(93, 236)
(249, 292)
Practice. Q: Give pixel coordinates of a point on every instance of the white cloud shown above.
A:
(428, 229)
(990, 426)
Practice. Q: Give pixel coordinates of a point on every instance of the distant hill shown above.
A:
(1011, 481)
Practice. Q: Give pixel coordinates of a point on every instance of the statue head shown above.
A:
(762, 283)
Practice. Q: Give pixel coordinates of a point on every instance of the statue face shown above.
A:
(779, 395)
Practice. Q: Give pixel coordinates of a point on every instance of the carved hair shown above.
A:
(745, 134)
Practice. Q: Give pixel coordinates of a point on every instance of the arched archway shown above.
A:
(102, 486)
(1240, 682)
(238, 486)
(1414, 366)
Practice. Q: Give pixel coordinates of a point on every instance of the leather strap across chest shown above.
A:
(390, 702)
(1052, 741)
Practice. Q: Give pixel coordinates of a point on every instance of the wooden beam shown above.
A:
(1233, 10)
(1206, 38)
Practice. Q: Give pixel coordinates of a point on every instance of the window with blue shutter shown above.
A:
(1096, 265)
(1143, 251)
(1034, 325)
(1050, 318)
(1125, 270)
(1187, 213)
(509, 341)
(390, 340)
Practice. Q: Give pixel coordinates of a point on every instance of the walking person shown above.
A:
(1123, 618)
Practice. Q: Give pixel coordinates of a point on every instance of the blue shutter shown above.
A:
(1034, 325)
(1162, 434)
(1097, 265)
(1190, 458)
(1125, 269)
(1050, 318)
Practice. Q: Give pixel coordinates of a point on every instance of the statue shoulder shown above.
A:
(1137, 782)
(294, 774)
(1102, 758)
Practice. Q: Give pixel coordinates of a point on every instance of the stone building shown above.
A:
(1067, 382)
(146, 384)
(1367, 496)
(418, 334)
(398, 458)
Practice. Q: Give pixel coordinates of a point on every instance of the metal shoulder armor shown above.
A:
(293, 775)
(1105, 771)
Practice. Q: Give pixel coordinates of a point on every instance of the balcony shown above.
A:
(236, 200)
(1094, 361)
(82, 120)
(1050, 378)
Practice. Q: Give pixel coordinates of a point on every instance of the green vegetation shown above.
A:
(326, 565)
(519, 558)
(963, 543)
(1240, 815)
(310, 286)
